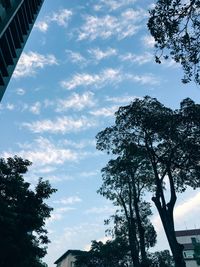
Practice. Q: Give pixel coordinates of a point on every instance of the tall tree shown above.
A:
(23, 211)
(124, 180)
(175, 26)
(171, 140)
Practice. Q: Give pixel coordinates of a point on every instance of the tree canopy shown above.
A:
(171, 141)
(23, 212)
(175, 26)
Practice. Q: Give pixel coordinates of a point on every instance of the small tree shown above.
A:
(171, 140)
(197, 252)
(175, 26)
(161, 259)
(22, 216)
(112, 253)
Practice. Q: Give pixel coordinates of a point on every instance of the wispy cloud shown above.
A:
(20, 91)
(30, 62)
(42, 152)
(35, 108)
(42, 26)
(61, 17)
(68, 200)
(76, 57)
(58, 214)
(182, 212)
(138, 59)
(123, 26)
(148, 41)
(80, 144)
(99, 54)
(76, 102)
(112, 4)
(144, 79)
(105, 111)
(101, 210)
(59, 125)
(107, 76)
(124, 99)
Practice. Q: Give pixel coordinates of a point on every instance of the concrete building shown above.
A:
(17, 18)
(68, 258)
(189, 238)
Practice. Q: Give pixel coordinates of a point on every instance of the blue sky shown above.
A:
(81, 62)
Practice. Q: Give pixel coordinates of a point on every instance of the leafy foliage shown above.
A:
(197, 252)
(161, 259)
(22, 216)
(112, 253)
(175, 26)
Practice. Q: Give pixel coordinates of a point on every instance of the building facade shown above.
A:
(189, 239)
(68, 258)
(17, 18)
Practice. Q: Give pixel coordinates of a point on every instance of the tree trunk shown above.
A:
(141, 231)
(166, 216)
(133, 244)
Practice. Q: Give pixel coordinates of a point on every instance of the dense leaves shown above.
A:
(112, 253)
(161, 259)
(22, 216)
(175, 26)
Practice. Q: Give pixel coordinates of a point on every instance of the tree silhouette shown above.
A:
(171, 140)
(23, 212)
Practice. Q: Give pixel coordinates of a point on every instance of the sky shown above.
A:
(83, 60)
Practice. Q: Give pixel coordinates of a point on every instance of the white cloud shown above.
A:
(42, 152)
(89, 174)
(61, 17)
(112, 4)
(68, 200)
(10, 106)
(35, 108)
(42, 26)
(126, 99)
(60, 125)
(125, 25)
(29, 63)
(189, 206)
(76, 102)
(105, 112)
(107, 76)
(81, 144)
(20, 91)
(76, 57)
(139, 59)
(58, 214)
(98, 54)
(101, 210)
(7, 106)
(148, 41)
(144, 79)
(182, 212)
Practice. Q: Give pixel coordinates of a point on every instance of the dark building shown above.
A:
(17, 18)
